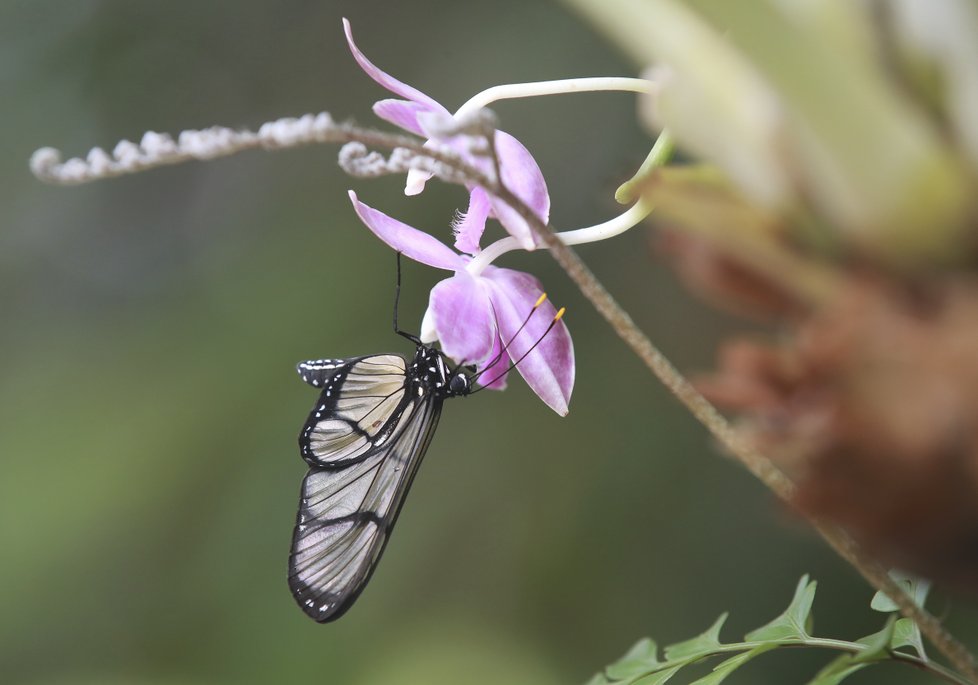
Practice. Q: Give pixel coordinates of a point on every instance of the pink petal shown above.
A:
(385, 79)
(514, 224)
(494, 370)
(549, 367)
(401, 113)
(523, 177)
(413, 243)
(462, 316)
(522, 174)
(468, 228)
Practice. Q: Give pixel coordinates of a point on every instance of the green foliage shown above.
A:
(793, 627)
(796, 620)
(703, 644)
(906, 633)
(876, 646)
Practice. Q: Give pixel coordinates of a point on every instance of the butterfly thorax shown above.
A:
(428, 372)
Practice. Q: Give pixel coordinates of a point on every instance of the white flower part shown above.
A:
(559, 87)
(415, 182)
(428, 333)
(609, 229)
(473, 115)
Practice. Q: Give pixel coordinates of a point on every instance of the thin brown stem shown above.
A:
(755, 462)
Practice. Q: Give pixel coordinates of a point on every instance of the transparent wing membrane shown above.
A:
(364, 439)
(360, 406)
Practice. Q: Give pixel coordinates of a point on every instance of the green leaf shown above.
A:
(796, 620)
(727, 667)
(876, 644)
(844, 666)
(837, 671)
(906, 633)
(657, 678)
(598, 679)
(701, 645)
(917, 588)
(639, 660)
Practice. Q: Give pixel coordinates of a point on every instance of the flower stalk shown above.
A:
(633, 216)
(560, 87)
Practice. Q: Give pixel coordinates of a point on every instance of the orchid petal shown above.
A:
(428, 334)
(522, 176)
(384, 79)
(548, 367)
(416, 178)
(401, 113)
(493, 372)
(514, 224)
(435, 124)
(462, 316)
(413, 243)
(468, 228)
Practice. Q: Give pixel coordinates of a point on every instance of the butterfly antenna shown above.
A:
(505, 346)
(397, 299)
(557, 317)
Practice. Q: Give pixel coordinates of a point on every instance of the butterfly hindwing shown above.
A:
(364, 439)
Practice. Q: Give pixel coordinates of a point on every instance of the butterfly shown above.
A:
(364, 441)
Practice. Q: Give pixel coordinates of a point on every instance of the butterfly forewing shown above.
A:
(365, 439)
(360, 404)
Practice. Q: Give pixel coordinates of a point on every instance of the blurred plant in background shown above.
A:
(838, 196)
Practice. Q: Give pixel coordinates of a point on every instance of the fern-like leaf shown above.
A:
(795, 622)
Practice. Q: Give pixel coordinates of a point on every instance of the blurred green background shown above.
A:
(149, 409)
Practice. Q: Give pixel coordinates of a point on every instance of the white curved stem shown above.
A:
(560, 87)
(491, 253)
(609, 229)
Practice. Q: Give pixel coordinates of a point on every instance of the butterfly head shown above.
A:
(459, 384)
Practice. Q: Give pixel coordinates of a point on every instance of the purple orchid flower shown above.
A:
(486, 319)
(518, 170)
